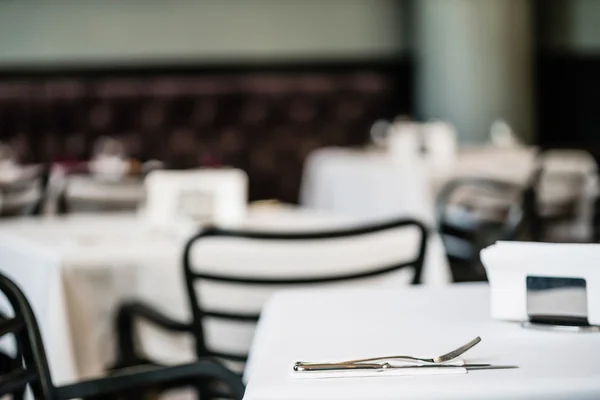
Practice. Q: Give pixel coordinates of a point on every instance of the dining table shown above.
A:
(77, 269)
(372, 183)
(312, 325)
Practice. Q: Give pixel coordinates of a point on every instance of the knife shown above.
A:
(300, 367)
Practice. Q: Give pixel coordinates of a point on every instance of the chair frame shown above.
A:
(65, 202)
(509, 230)
(41, 178)
(131, 310)
(515, 213)
(35, 371)
(540, 221)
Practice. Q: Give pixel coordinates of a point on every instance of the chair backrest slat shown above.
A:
(16, 380)
(231, 315)
(304, 280)
(12, 325)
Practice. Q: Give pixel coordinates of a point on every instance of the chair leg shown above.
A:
(126, 355)
(596, 222)
(8, 364)
(203, 391)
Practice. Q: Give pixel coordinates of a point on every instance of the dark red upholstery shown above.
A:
(265, 123)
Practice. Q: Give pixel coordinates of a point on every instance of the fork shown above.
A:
(435, 360)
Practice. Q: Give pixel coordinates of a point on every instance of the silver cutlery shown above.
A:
(369, 361)
(387, 366)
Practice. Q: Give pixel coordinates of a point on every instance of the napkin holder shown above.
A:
(198, 197)
(556, 303)
(545, 285)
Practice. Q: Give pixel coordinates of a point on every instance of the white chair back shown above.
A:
(294, 263)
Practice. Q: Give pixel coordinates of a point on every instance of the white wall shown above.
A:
(206, 30)
(585, 35)
(572, 25)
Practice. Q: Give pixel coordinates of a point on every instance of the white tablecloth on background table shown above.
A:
(312, 325)
(86, 187)
(75, 271)
(366, 184)
(372, 184)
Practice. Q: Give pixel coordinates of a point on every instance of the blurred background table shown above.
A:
(77, 269)
(373, 184)
(85, 193)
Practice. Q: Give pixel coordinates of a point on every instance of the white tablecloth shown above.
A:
(372, 184)
(311, 325)
(365, 184)
(83, 187)
(76, 270)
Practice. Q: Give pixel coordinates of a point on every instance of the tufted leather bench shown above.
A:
(263, 122)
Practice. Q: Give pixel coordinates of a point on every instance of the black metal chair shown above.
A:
(32, 367)
(557, 212)
(93, 195)
(249, 280)
(475, 225)
(27, 195)
(8, 364)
